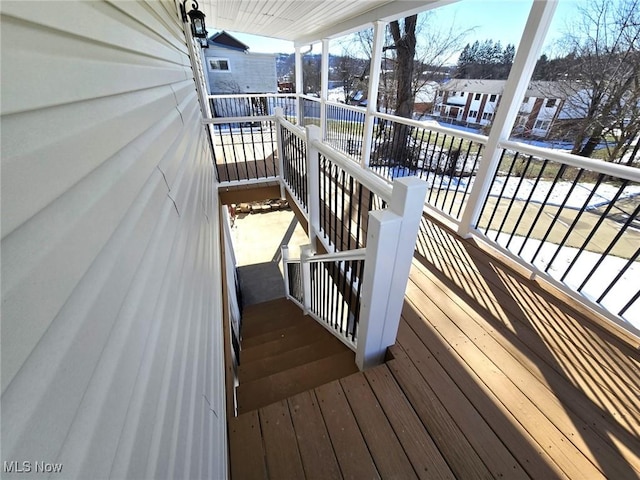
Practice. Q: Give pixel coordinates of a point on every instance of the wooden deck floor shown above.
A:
(491, 377)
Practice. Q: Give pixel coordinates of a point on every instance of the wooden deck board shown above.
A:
(283, 459)
(570, 409)
(452, 442)
(427, 461)
(525, 312)
(613, 383)
(316, 451)
(473, 270)
(474, 361)
(491, 377)
(245, 447)
(387, 452)
(497, 437)
(348, 443)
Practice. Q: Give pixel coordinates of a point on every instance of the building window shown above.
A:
(477, 97)
(551, 102)
(542, 124)
(492, 98)
(453, 94)
(473, 114)
(218, 64)
(487, 116)
(526, 100)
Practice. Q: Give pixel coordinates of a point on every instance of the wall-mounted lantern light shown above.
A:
(197, 21)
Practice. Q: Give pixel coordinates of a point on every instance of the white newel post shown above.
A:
(284, 250)
(391, 239)
(306, 252)
(313, 182)
(279, 116)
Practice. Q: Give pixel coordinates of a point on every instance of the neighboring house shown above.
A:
(474, 102)
(231, 68)
(423, 103)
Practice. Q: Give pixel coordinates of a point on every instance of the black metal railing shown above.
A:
(335, 295)
(446, 159)
(245, 151)
(310, 111)
(345, 204)
(295, 287)
(578, 225)
(294, 165)
(235, 106)
(345, 129)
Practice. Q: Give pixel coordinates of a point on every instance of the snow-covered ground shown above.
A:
(545, 191)
(621, 293)
(522, 189)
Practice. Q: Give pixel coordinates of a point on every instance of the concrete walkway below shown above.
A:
(257, 238)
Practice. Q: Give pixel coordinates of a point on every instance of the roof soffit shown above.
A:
(307, 21)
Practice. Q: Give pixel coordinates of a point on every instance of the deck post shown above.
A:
(306, 252)
(391, 239)
(279, 113)
(372, 96)
(284, 253)
(313, 182)
(514, 90)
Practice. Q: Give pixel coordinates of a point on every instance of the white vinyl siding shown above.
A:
(112, 359)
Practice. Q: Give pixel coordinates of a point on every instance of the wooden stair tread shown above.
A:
(289, 339)
(270, 389)
(270, 318)
(298, 324)
(324, 346)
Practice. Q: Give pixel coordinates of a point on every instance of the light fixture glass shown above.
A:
(198, 27)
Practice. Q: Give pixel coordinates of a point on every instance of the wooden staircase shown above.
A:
(285, 353)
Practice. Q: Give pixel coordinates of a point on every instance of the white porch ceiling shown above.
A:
(306, 21)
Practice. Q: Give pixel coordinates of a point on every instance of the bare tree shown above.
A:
(403, 33)
(417, 48)
(602, 64)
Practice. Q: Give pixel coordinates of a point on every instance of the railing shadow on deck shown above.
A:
(560, 346)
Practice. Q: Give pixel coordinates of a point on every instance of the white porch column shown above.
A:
(324, 87)
(374, 85)
(313, 183)
(514, 91)
(391, 239)
(299, 84)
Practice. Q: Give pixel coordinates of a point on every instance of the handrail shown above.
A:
(295, 129)
(612, 169)
(482, 139)
(346, 106)
(309, 97)
(223, 120)
(252, 95)
(355, 254)
(370, 180)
